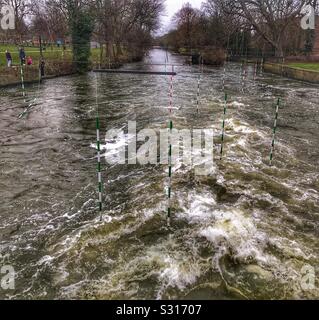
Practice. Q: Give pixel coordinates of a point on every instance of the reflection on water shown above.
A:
(247, 231)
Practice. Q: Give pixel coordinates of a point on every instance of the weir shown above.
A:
(159, 73)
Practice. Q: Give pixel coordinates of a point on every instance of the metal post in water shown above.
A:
(223, 127)
(274, 133)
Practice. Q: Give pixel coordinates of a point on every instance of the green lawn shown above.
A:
(306, 65)
(50, 54)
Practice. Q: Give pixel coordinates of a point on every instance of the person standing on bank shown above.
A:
(22, 56)
(29, 61)
(9, 59)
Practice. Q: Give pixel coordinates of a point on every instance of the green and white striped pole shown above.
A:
(201, 69)
(274, 133)
(98, 144)
(262, 67)
(255, 70)
(223, 127)
(244, 74)
(22, 83)
(282, 66)
(31, 104)
(224, 74)
(170, 170)
(25, 112)
(198, 92)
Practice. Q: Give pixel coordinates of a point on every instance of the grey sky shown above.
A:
(172, 6)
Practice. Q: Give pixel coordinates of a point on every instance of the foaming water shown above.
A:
(247, 231)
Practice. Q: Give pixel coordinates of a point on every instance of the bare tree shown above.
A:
(48, 20)
(128, 22)
(269, 18)
(21, 9)
(186, 21)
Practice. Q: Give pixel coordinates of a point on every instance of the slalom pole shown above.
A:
(262, 67)
(166, 59)
(198, 93)
(223, 127)
(225, 65)
(201, 69)
(30, 104)
(274, 133)
(22, 83)
(255, 70)
(243, 76)
(170, 170)
(223, 83)
(245, 73)
(224, 74)
(28, 107)
(282, 66)
(202, 65)
(98, 144)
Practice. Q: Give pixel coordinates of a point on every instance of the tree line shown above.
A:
(114, 25)
(257, 27)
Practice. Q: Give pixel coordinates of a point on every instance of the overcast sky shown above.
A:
(172, 6)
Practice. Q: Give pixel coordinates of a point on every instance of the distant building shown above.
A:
(316, 44)
(95, 45)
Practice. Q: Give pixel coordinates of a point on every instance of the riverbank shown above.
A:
(12, 76)
(293, 72)
(59, 62)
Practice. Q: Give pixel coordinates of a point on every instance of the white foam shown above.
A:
(177, 274)
(214, 235)
(45, 260)
(237, 234)
(198, 209)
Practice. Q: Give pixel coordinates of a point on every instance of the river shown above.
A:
(249, 231)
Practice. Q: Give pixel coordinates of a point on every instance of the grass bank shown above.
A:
(312, 66)
(307, 72)
(58, 62)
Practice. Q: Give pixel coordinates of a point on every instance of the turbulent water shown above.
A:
(249, 231)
